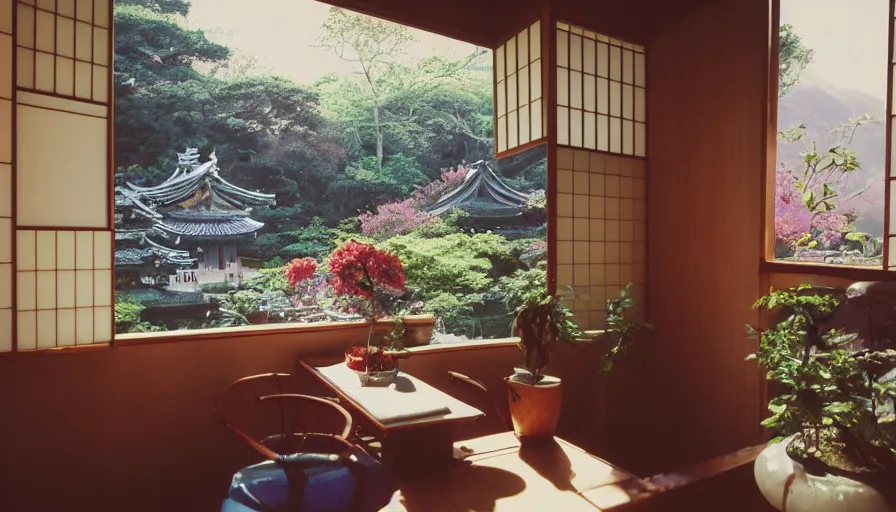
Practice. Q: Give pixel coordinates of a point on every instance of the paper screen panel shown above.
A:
(518, 90)
(601, 231)
(6, 181)
(63, 48)
(596, 73)
(65, 287)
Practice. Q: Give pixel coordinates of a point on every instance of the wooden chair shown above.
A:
(474, 392)
(261, 410)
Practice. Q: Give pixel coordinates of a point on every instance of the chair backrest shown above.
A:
(474, 392)
(264, 412)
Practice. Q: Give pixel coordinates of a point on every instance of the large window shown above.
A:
(832, 121)
(243, 143)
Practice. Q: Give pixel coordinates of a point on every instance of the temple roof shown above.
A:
(482, 194)
(146, 252)
(211, 226)
(191, 178)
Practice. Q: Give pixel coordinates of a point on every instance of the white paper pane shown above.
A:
(575, 89)
(615, 63)
(536, 123)
(615, 135)
(523, 83)
(893, 146)
(501, 96)
(892, 255)
(603, 133)
(575, 127)
(603, 60)
(590, 130)
(640, 106)
(603, 96)
(535, 80)
(562, 86)
(588, 57)
(511, 55)
(640, 72)
(628, 137)
(512, 130)
(535, 41)
(525, 131)
(499, 64)
(562, 48)
(575, 52)
(563, 126)
(511, 92)
(615, 98)
(502, 134)
(628, 102)
(628, 67)
(522, 48)
(589, 92)
(640, 139)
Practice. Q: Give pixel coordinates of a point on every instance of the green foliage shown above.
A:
(621, 331)
(524, 283)
(271, 280)
(313, 241)
(217, 288)
(243, 302)
(541, 322)
(830, 390)
(793, 58)
(128, 317)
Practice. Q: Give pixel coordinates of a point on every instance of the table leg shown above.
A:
(420, 449)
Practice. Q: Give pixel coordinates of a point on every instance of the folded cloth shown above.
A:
(408, 399)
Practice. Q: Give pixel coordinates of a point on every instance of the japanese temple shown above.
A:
(486, 198)
(207, 215)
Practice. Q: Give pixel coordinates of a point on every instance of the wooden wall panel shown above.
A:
(6, 176)
(707, 106)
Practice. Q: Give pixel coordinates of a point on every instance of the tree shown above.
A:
(793, 58)
(387, 88)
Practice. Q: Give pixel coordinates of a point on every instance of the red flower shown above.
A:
(359, 269)
(375, 359)
(299, 270)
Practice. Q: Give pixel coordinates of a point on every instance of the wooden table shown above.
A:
(416, 444)
(497, 475)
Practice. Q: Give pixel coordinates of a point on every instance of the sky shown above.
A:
(281, 35)
(850, 39)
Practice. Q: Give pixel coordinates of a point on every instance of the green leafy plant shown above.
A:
(833, 401)
(621, 330)
(540, 323)
(244, 302)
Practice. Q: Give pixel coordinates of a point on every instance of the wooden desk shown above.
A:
(416, 444)
(499, 476)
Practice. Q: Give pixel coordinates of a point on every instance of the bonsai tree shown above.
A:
(621, 331)
(540, 322)
(836, 391)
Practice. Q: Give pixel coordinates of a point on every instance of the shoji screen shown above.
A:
(6, 191)
(601, 230)
(601, 92)
(519, 90)
(62, 254)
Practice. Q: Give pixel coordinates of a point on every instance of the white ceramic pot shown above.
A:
(786, 485)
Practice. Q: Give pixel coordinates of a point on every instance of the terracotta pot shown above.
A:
(418, 330)
(535, 409)
(258, 318)
(789, 488)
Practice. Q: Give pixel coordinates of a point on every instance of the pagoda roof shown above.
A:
(210, 226)
(186, 181)
(482, 194)
(147, 252)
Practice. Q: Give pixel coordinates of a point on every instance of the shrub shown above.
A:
(392, 219)
(450, 180)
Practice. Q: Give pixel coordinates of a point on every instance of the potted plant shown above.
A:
(363, 271)
(248, 304)
(833, 417)
(534, 398)
(621, 331)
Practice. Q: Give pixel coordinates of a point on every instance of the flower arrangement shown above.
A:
(362, 270)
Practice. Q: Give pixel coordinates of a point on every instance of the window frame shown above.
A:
(767, 262)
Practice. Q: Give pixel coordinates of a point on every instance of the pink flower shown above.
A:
(393, 219)
(359, 269)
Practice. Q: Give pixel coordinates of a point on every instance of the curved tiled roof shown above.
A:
(205, 228)
(482, 194)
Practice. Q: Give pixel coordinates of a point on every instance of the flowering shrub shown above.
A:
(392, 219)
(362, 269)
(450, 180)
(300, 270)
(796, 225)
